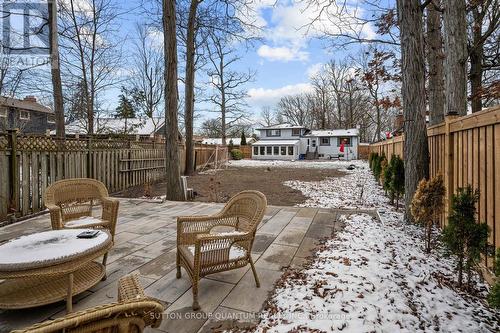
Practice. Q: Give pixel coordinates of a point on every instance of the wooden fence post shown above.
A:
(448, 166)
(14, 173)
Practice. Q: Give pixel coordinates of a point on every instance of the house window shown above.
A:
(313, 143)
(51, 119)
(256, 150)
(269, 150)
(24, 115)
(276, 150)
(324, 141)
(3, 113)
(273, 132)
(295, 131)
(346, 140)
(290, 150)
(262, 150)
(283, 150)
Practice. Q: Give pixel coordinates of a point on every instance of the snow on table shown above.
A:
(49, 247)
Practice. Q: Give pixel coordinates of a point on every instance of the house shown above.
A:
(27, 115)
(218, 141)
(142, 127)
(289, 142)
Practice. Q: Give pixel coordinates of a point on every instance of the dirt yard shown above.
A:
(221, 185)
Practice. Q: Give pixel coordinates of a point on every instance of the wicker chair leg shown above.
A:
(196, 305)
(178, 266)
(104, 260)
(257, 282)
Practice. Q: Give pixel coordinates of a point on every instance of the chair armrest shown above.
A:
(110, 212)
(129, 288)
(55, 216)
(188, 227)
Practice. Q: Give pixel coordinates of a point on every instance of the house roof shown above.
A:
(140, 126)
(281, 126)
(335, 132)
(218, 141)
(275, 142)
(29, 103)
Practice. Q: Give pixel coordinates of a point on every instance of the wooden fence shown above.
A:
(246, 150)
(465, 150)
(28, 164)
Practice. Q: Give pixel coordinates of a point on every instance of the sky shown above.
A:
(289, 52)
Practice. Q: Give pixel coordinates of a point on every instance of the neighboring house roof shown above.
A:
(275, 142)
(137, 126)
(334, 132)
(218, 141)
(28, 103)
(281, 126)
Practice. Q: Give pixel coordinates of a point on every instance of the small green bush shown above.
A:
(388, 173)
(398, 178)
(377, 167)
(236, 154)
(371, 158)
(243, 139)
(464, 236)
(494, 296)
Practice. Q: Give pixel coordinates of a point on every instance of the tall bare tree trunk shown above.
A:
(435, 63)
(55, 69)
(416, 155)
(455, 45)
(189, 87)
(172, 161)
(476, 61)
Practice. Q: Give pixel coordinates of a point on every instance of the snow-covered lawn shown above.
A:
(374, 276)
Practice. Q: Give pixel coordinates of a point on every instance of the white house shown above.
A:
(288, 142)
(218, 141)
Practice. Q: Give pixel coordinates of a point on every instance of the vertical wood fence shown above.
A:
(465, 150)
(28, 164)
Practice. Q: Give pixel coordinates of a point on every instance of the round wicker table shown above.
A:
(50, 266)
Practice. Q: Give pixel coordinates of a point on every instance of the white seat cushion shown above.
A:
(85, 222)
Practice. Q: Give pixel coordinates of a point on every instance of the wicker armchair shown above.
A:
(70, 203)
(201, 251)
(132, 313)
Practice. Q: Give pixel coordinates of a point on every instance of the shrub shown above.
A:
(387, 179)
(494, 296)
(236, 154)
(427, 204)
(371, 159)
(463, 235)
(243, 139)
(230, 146)
(398, 178)
(377, 166)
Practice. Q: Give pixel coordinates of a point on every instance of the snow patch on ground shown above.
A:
(373, 276)
(316, 164)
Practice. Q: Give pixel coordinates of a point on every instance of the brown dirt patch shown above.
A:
(227, 182)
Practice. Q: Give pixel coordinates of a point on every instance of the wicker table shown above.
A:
(50, 266)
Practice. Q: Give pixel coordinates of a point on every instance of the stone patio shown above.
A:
(145, 244)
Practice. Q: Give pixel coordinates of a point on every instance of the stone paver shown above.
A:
(145, 244)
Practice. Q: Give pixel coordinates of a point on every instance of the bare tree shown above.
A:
(435, 63)
(146, 80)
(267, 117)
(229, 95)
(55, 68)
(485, 25)
(90, 49)
(172, 160)
(296, 109)
(416, 157)
(455, 62)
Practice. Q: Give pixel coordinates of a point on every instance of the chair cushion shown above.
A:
(85, 222)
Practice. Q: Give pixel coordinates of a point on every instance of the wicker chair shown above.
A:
(70, 203)
(201, 251)
(132, 313)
